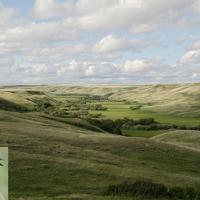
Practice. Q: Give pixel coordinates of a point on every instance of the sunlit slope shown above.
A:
(53, 159)
(186, 139)
(20, 97)
(177, 99)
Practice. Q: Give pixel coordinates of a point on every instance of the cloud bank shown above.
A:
(103, 41)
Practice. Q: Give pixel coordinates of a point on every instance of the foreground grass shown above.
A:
(54, 160)
(50, 159)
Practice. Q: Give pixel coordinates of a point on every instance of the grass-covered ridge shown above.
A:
(187, 139)
(71, 142)
(52, 154)
(173, 99)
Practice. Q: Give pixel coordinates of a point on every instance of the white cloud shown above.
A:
(195, 45)
(111, 43)
(143, 28)
(51, 8)
(134, 66)
(196, 6)
(191, 57)
(95, 35)
(38, 32)
(6, 14)
(85, 7)
(112, 14)
(129, 12)
(88, 69)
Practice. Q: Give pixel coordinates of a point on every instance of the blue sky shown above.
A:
(102, 41)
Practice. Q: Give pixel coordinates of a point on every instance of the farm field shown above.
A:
(87, 146)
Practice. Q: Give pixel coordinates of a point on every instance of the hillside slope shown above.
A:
(186, 139)
(17, 99)
(54, 160)
(174, 99)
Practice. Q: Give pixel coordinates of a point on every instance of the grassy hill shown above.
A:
(62, 158)
(186, 139)
(174, 99)
(17, 99)
(57, 160)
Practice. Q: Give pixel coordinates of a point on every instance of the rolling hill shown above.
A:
(56, 159)
(186, 139)
(173, 99)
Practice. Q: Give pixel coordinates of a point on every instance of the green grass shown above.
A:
(141, 133)
(118, 110)
(170, 99)
(61, 98)
(50, 159)
(53, 160)
(187, 139)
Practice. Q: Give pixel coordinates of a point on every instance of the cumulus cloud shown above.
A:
(191, 57)
(143, 28)
(112, 43)
(102, 41)
(51, 8)
(196, 6)
(134, 66)
(38, 32)
(108, 14)
(6, 15)
(88, 69)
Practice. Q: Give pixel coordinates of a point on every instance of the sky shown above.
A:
(101, 41)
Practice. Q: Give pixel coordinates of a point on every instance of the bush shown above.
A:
(139, 188)
(98, 107)
(147, 124)
(106, 124)
(146, 121)
(136, 107)
(149, 189)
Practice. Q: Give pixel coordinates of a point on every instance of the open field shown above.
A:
(58, 152)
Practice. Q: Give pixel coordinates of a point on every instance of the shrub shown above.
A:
(136, 107)
(139, 188)
(152, 190)
(106, 124)
(98, 107)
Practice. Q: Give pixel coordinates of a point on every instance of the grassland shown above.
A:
(59, 160)
(52, 158)
(142, 133)
(186, 139)
(172, 99)
(118, 110)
